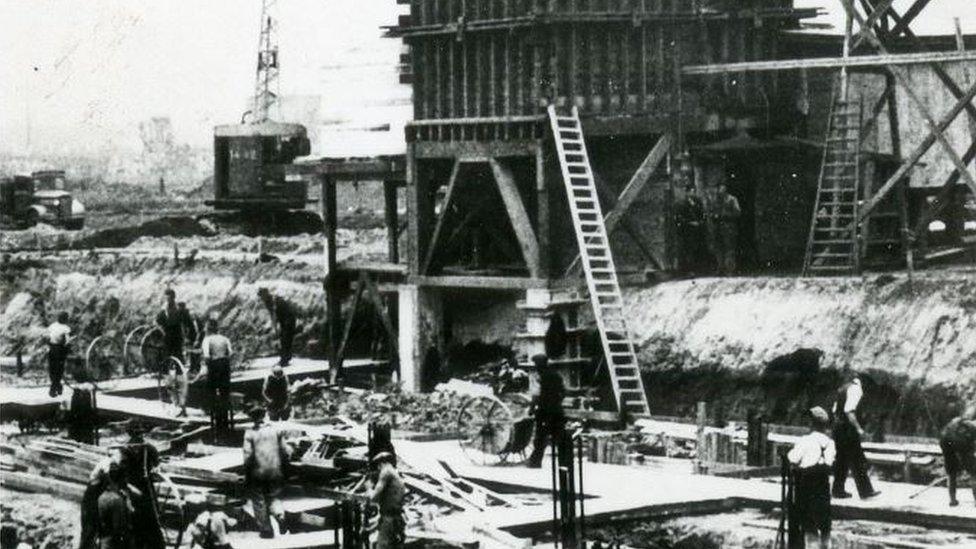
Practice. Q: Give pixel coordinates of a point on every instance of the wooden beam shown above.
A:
(390, 215)
(519, 217)
(630, 193)
(373, 295)
(935, 133)
(341, 355)
(333, 304)
(922, 107)
(832, 62)
(945, 193)
(909, 16)
(873, 19)
(445, 211)
(481, 282)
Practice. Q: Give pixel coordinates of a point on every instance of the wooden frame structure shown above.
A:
(882, 31)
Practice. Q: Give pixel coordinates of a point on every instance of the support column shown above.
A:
(420, 330)
(333, 301)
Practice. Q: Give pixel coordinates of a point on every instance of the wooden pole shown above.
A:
(332, 303)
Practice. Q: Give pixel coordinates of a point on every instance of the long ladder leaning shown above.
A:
(601, 275)
(833, 245)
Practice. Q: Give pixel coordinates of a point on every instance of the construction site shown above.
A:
(589, 277)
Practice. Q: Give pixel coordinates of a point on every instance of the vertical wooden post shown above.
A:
(701, 421)
(333, 305)
(543, 231)
(392, 221)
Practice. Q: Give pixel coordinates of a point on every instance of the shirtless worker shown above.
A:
(265, 459)
(958, 442)
(216, 351)
(388, 494)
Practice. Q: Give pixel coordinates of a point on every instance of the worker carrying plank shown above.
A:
(216, 352)
(388, 494)
(265, 460)
(58, 338)
(847, 436)
(812, 458)
(958, 442)
(283, 319)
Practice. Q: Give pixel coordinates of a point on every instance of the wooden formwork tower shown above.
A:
(879, 39)
(487, 211)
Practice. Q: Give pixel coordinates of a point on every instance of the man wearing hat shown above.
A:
(176, 325)
(549, 415)
(284, 319)
(388, 494)
(812, 458)
(265, 458)
(139, 461)
(847, 435)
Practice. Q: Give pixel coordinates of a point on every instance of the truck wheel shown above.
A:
(32, 218)
(75, 224)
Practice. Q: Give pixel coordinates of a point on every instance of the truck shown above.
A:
(40, 197)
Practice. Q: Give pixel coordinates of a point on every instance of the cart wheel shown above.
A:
(152, 351)
(101, 358)
(484, 425)
(132, 349)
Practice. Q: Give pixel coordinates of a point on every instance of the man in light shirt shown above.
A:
(216, 351)
(58, 337)
(847, 436)
(812, 458)
(209, 529)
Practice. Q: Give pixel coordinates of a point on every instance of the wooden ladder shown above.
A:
(601, 275)
(833, 245)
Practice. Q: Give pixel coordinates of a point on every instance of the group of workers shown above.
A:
(817, 455)
(707, 231)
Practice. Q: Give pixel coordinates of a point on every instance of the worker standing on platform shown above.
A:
(689, 220)
(958, 442)
(216, 351)
(139, 461)
(550, 419)
(848, 434)
(283, 319)
(726, 213)
(82, 411)
(265, 459)
(812, 457)
(388, 495)
(58, 338)
(277, 394)
(176, 325)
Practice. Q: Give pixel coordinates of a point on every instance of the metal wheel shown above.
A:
(484, 425)
(152, 351)
(132, 349)
(101, 358)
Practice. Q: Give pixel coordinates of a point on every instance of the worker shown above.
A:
(139, 461)
(58, 338)
(216, 351)
(958, 442)
(283, 319)
(550, 419)
(726, 213)
(265, 459)
(812, 458)
(116, 529)
(209, 529)
(176, 325)
(277, 394)
(388, 495)
(689, 220)
(380, 440)
(82, 412)
(847, 437)
(194, 336)
(178, 385)
(97, 482)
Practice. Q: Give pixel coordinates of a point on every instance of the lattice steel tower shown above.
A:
(266, 78)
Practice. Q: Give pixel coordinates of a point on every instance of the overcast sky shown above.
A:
(83, 73)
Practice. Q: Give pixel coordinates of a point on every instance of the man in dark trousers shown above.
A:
(277, 394)
(284, 319)
(958, 442)
(139, 461)
(726, 212)
(58, 337)
(689, 219)
(550, 419)
(216, 351)
(847, 436)
(82, 413)
(177, 326)
(812, 458)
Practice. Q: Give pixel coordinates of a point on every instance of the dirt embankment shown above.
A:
(110, 294)
(714, 339)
